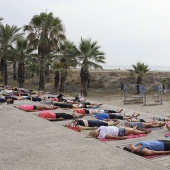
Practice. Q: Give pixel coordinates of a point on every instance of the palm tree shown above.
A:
(139, 70)
(23, 52)
(45, 33)
(67, 59)
(12, 57)
(89, 56)
(1, 19)
(8, 36)
(57, 79)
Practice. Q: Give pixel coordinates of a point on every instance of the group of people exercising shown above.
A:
(105, 124)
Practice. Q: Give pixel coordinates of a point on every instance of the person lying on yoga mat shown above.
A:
(93, 111)
(58, 116)
(108, 116)
(114, 132)
(82, 105)
(84, 124)
(148, 148)
(31, 108)
(142, 125)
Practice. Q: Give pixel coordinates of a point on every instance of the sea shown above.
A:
(126, 67)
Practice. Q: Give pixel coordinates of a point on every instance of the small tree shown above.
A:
(139, 70)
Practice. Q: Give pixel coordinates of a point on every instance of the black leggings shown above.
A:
(92, 123)
(64, 115)
(63, 105)
(166, 144)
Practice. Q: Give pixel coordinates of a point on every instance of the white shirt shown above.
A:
(107, 130)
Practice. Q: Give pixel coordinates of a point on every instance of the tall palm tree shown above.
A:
(8, 36)
(139, 70)
(23, 52)
(45, 32)
(89, 56)
(57, 79)
(67, 59)
(12, 57)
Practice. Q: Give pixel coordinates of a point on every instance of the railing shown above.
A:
(142, 96)
(138, 97)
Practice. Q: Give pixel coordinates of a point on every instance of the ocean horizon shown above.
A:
(126, 67)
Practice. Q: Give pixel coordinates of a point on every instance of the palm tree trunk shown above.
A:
(15, 70)
(63, 80)
(62, 84)
(42, 73)
(21, 74)
(88, 84)
(84, 74)
(5, 72)
(46, 72)
(84, 83)
(139, 82)
(57, 81)
(2, 65)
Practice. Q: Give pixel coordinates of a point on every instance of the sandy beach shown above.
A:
(116, 101)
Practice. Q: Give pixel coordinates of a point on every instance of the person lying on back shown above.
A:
(148, 148)
(84, 124)
(32, 108)
(58, 116)
(114, 132)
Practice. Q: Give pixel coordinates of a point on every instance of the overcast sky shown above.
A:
(127, 30)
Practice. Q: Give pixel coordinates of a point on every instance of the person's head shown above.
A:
(10, 101)
(94, 134)
(60, 96)
(142, 120)
(131, 148)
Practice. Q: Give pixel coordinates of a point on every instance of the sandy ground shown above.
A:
(152, 106)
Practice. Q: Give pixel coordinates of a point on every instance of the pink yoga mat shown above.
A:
(167, 135)
(128, 137)
(155, 156)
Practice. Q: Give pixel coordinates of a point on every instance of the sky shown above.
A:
(128, 31)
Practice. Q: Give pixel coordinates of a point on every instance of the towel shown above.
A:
(128, 137)
(74, 128)
(167, 135)
(155, 156)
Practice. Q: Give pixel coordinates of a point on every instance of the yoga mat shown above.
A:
(74, 128)
(155, 156)
(128, 137)
(167, 135)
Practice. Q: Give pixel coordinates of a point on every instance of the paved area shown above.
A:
(31, 143)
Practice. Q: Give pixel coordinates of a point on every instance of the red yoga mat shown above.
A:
(128, 137)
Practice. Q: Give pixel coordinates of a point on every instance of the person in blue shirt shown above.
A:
(148, 148)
